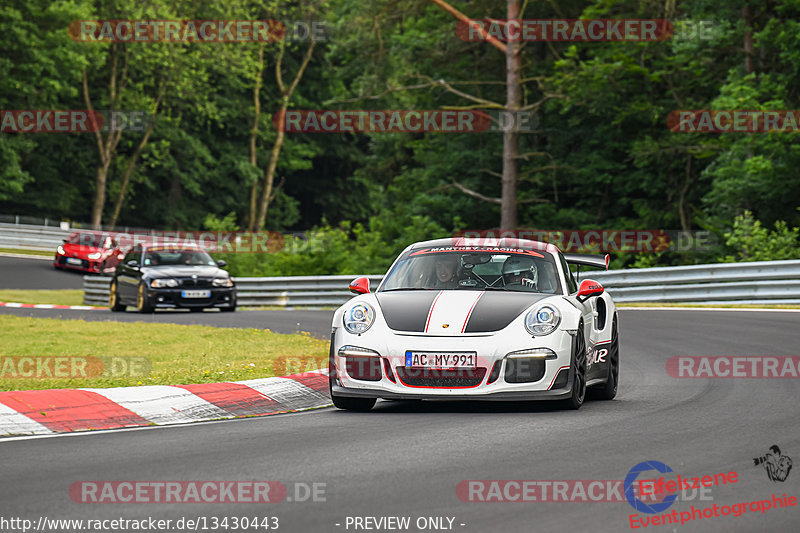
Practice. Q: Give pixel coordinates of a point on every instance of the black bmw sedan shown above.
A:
(170, 276)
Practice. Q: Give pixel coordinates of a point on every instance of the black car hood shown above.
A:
(492, 311)
(178, 271)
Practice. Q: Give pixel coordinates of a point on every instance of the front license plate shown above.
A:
(441, 359)
(195, 294)
(74, 261)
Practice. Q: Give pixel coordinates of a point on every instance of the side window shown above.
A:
(571, 284)
(133, 255)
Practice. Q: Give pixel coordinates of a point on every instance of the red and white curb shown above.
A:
(43, 412)
(51, 306)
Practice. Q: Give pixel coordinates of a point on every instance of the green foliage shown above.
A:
(751, 241)
(601, 156)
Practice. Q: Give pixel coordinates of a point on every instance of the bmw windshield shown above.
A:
(176, 257)
(513, 270)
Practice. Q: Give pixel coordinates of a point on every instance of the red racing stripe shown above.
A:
(470, 311)
(430, 312)
(237, 399)
(64, 410)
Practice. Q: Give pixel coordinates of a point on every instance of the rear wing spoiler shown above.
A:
(590, 260)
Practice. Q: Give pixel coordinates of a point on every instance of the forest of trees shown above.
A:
(600, 155)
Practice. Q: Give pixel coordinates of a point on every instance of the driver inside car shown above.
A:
(520, 270)
(446, 267)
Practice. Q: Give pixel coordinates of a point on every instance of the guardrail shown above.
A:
(757, 282)
(29, 237)
(289, 291)
(760, 282)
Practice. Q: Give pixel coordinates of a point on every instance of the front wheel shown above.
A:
(575, 401)
(113, 298)
(142, 303)
(228, 309)
(609, 389)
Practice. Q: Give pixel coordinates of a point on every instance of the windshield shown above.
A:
(172, 257)
(486, 269)
(92, 239)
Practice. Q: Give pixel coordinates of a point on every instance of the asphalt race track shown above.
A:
(406, 459)
(19, 273)
(318, 323)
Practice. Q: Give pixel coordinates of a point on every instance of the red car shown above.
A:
(86, 251)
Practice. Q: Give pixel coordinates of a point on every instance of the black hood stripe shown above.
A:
(406, 310)
(492, 311)
(496, 310)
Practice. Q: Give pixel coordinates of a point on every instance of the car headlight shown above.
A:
(542, 320)
(358, 318)
(94, 255)
(222, 282)
(159, 283)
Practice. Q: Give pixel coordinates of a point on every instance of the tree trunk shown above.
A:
(126, 179)
(508, 207)
(682, 207)
(100, 192)
(252, 214)
(286, 92)
(269, 175)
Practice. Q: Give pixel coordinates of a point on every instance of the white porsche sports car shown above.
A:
(478, 319)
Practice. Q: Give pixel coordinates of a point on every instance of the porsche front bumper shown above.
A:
(492, 379)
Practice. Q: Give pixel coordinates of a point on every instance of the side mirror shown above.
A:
(221, 263)
(589, 288)
(133, 263)
(65, 241)
(359, 285)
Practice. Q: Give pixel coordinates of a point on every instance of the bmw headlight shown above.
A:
(160, 283)
(542, 320)
(222, 282)
(358, 318)
(94, 255)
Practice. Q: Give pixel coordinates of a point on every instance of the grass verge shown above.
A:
(38, 296)
(175, 354)
(27, 252)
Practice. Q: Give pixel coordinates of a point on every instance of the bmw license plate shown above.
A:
(195, 294)
(441, 359)
(74, 261)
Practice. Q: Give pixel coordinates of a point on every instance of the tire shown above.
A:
(228, 309)
(196, 309)
(609, 390)
(113, 299)
(576, 399)
(142, 304)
